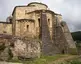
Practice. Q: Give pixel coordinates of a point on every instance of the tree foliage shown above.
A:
(76, 36)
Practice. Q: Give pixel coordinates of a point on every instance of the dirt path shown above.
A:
(62, 60)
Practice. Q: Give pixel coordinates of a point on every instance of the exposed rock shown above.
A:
(19, 48)
(26, 49)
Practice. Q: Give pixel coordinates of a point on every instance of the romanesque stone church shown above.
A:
(37, 21)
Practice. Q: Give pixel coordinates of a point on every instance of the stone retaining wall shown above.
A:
(19, 48)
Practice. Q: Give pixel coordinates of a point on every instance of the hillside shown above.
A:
(76, 36)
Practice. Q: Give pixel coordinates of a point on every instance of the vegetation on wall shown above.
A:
(2, 46)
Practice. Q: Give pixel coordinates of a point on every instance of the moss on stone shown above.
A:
(73, 51)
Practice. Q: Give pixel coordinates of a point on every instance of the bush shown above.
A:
(2, 47)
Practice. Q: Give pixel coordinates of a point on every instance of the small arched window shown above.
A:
(28, 28)
(39, 22)
(48, 21)
(4, 32)
(25, 12)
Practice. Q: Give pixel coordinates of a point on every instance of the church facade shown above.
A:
(26, 20)
(35, 20)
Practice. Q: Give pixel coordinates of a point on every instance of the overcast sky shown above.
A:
(70, 10)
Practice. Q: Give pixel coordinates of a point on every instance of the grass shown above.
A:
(41, 60)
(74, 61)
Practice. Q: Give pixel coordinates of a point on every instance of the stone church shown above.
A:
(37, 21)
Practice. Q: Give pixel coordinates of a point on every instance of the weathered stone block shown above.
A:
(6, 54)
(26, 49)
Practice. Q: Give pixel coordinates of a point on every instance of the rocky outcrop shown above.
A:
(19, 48)
(5, 54)
(26, 49)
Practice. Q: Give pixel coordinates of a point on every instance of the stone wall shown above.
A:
(26, 48)
(62, 38)
(58, 37)
(12, 47)
(70, 43)
(20, 15)
(68, 35)
(5, 28)
(48, 47)
(1, 28)
(8, 29)
(38, 22)
(25, 27)
(22, 11)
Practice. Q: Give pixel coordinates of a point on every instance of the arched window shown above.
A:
(48, 21)
(4, 32)
(28, 28)
(39, 22)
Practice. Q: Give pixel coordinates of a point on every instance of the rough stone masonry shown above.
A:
(32, 22)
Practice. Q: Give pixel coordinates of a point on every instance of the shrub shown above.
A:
(75, 62)
(2, 47)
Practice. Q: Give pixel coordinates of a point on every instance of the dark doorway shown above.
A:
(63, 52)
